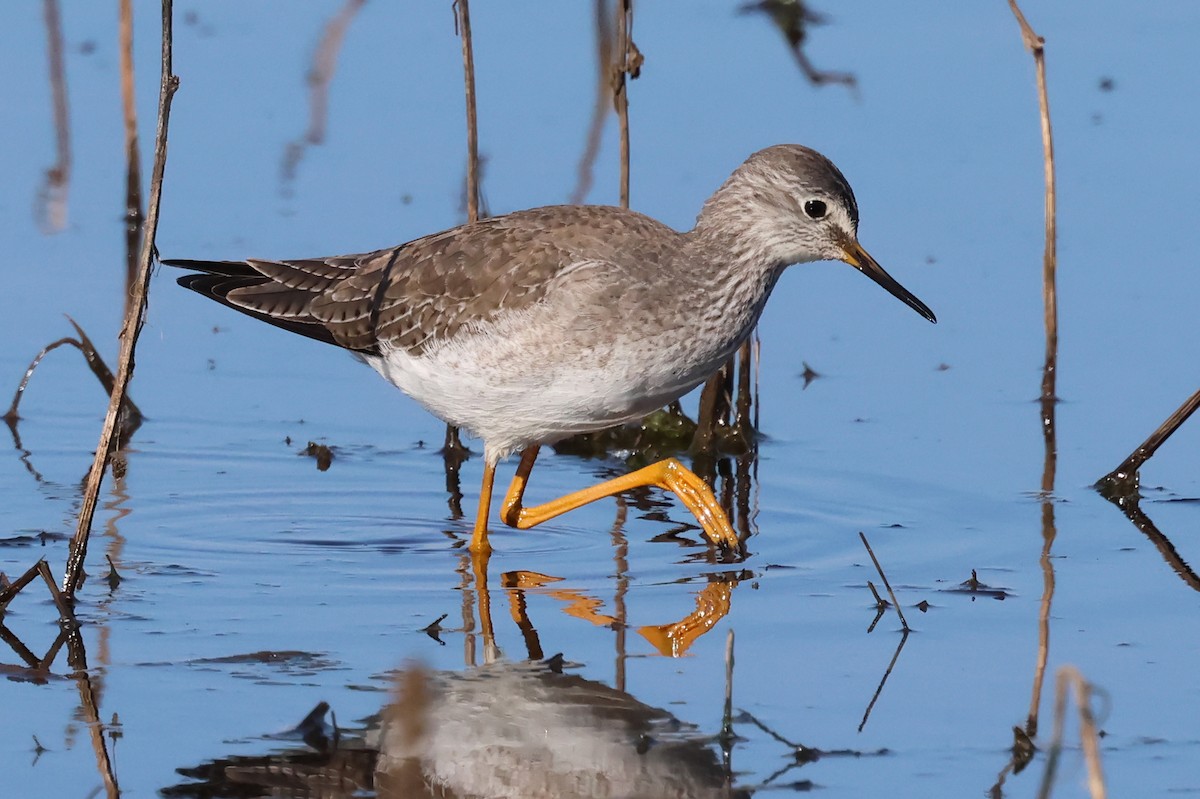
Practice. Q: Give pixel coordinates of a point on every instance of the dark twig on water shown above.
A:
(881, 606)
(134, 319)
(880, 602)
(132, 417)
(66, 613)
(1122, 482)
(13, 588)
(886, 584)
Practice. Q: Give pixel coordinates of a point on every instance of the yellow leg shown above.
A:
(479, 541)
(668, 474)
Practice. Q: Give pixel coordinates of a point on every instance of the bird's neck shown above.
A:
(732, 283)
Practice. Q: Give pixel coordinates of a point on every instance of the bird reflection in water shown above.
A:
(510, 728)
(505, 729)
(530, 730)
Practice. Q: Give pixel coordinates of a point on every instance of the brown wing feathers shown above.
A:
(426, 290)
(272, 302)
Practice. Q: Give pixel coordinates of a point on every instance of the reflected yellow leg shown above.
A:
(479, 541)
(673, 640)
(479, 566)
(668, 474)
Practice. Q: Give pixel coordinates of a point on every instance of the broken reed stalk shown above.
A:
(1126, 473)
(1049, 397)
(53, 199)
(66, 614)
(886, 584)
(130, 420)
(1037, 46)
(1069, 677)
(453, 448)
(628, 63)
(134, 319)
(12, 589)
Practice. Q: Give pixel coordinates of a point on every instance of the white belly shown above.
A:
(532, 380)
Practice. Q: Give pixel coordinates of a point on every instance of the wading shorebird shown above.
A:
(534, 326)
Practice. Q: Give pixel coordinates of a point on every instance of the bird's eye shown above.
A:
(815, 209)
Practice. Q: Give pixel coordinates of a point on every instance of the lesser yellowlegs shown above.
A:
(530, 327)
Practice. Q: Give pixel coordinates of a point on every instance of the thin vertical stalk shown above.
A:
(53, 202)
(1037, 46)
(604, 61)
(133, 162)
(134, 319)
(453, 450)
(463, 9)
(626, 64)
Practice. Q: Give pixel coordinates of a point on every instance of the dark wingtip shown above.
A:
(215, 279)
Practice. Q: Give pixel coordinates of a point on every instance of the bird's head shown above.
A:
(788, 204)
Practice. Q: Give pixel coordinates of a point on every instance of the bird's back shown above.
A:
(417, 294)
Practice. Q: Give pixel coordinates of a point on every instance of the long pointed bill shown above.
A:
(860, 259)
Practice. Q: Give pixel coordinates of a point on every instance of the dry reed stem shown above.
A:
(52, 199)
(319, 78)
(133, 415)
(1069, 677)
(10, 591)
(66, 614)
(133, 168)
(453, 448)
(886, 584)
(134, 319)
(324, 63)
(463, 23)
(604, 59)
(1127, 470)
(1037, 45)
(628, 64)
